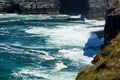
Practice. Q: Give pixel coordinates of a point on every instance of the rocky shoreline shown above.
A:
(107, 62)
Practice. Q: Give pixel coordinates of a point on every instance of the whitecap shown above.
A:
(75, 55)
(46, 74)
(60, 66)
(75, 16)
(47, 56)
(67, 35)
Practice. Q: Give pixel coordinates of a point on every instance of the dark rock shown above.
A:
(97, 8)
(30, 6)
(74, 6)
(92, 9)
(102, 66)
(112, 26)
(96, 59)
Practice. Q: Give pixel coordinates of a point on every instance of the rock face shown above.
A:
(97, 8)
(112, 26)
(92, 9)
(44, 6)
(30, 6)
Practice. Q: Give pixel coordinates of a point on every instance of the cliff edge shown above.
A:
(106, 65)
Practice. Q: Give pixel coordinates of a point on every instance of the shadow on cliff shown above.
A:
(74, 7)
(94, 44)
(13, 8)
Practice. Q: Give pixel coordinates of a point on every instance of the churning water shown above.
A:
(46, 47)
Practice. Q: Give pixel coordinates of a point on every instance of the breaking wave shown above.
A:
(46, 47)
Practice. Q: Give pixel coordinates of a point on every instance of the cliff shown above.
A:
(44, 6)
(97, 8)
(107, 62)
(112, 26)
(92, 9)
(30, 6)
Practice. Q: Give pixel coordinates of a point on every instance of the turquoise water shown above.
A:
(45, 47)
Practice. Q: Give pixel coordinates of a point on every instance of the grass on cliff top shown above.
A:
(108, 65)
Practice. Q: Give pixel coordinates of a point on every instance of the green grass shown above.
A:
(108, 65)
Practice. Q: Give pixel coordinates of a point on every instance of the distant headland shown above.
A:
(92, 9)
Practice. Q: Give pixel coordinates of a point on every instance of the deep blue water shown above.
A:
(45, 47)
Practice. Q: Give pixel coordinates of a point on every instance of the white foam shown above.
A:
(65, 36)
(69, 35)
(47, 74)
(16, 44)
(26, 17)
(48, 57)
(59, 16)
(95, 22)
(76, 55)
(1, 14)
(60, 66)
(42, 55)
(35, 53)
(76, 16)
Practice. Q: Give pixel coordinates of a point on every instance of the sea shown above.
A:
(46, 47)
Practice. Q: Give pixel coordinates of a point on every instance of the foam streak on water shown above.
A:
(46, 47)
